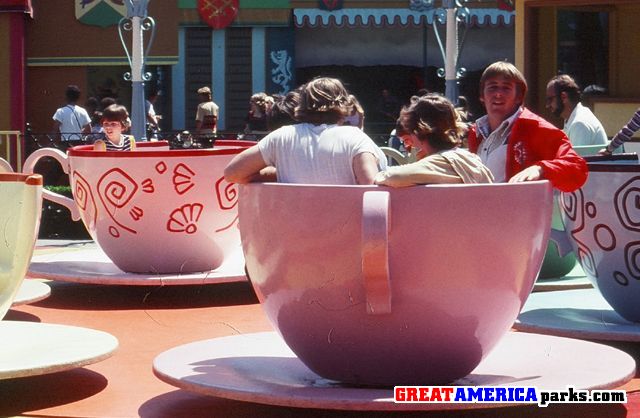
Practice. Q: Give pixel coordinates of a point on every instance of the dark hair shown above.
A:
(432, 118)
(323, 100)
(283, 111)
(117, 113)
(72, 93)
(105, 102)
(565, 83)
(508, 71)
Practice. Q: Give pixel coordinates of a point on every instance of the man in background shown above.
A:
(207, 113)
(71, 120)
(580, 124)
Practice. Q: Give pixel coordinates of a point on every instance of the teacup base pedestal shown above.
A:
(575, 314)
(260, 368)
(575, 279)
(31, 291)
(87, 263)
(33, 348)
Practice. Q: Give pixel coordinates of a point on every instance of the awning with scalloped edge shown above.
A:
(357, 18)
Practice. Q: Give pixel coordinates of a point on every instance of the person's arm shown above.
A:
(625, 133)
(531, 173)
(86, 129)
(245, 167)
(434, 170)
(365, 167)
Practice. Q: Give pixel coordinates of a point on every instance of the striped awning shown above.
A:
(355, 18)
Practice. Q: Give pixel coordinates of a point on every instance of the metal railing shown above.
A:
(12, 149)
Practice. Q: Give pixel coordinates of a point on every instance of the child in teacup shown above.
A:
(115, 120)
(435, 131)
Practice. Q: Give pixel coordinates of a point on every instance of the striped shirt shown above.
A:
(626, 132)
(125, 144)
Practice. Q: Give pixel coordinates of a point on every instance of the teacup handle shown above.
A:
(375, 252)
(61, 157)
(5, 167)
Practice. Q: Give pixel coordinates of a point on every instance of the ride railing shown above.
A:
(12, 148)
(177, 139)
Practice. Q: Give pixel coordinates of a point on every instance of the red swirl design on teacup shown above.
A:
(83, 197)
(116, 189)
(227, 194)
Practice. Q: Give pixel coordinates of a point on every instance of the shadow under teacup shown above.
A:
(153, 210)
(20, 208)
(380, 286)
(602, 220)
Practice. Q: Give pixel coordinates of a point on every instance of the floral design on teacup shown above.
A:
(185, 218)
(182, 176)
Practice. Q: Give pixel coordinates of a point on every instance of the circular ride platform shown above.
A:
(85, 262)
(33, 348)
(576, 314)
(261, 368)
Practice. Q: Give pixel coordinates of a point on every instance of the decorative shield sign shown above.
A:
(331, 4)
(218, 13)
(100, 12)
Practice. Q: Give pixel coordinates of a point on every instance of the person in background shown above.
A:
(207, 113)
(356, 117)
(71, 120)
(516, 144)
(283, 111)
(580, 124)
(257, 116)
(316, 150)
(153, 119)
(624, 134)
(434, 125)
(115, 120)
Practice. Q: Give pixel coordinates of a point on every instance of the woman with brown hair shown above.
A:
(433, 122)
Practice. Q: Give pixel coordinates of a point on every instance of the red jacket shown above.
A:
(533, 140)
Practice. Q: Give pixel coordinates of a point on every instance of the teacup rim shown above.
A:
(231, 147)
(30, 179)
(534, 183)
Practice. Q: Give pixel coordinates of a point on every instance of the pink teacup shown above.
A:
(154, 210)
(381, 286)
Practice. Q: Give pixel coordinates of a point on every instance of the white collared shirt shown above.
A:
(493, 145)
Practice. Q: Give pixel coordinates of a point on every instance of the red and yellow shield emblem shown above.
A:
(218, 13)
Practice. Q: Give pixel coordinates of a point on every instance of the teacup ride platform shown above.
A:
(582, 313)
(33, 348)
(31, 291)
(83, 261)
(260, 368)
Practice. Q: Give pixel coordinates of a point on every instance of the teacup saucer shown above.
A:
(31, 291)
(575, 279)
(85, 262)
(576, 314)
(261, 368)
(33, 348)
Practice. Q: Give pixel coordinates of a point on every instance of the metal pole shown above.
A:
(136, 13)
(451, 52)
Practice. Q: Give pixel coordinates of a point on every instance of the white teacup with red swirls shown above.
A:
(154, 210)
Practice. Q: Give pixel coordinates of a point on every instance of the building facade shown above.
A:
(270, 45)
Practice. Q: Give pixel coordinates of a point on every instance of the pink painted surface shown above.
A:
(602, 220)
(261, 368)
(461, 262)
(154, 210)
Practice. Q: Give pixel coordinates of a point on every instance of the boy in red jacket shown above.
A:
(515, 143)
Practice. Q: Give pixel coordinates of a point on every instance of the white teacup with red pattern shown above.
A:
(154, 210)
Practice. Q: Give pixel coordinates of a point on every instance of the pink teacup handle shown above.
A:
(375, 252)
(62, 158)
